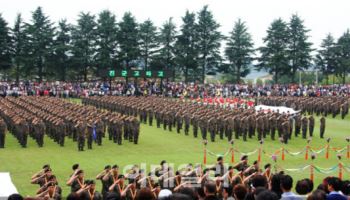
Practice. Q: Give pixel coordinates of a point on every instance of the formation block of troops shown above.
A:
(333, 105)
(207, 119)
(37, 116)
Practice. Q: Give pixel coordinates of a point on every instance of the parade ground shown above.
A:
(155, 145)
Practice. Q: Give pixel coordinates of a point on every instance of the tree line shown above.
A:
(43, 50)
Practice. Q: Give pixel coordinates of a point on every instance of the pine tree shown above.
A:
(62, 50)
(107, 29)
(128, 40)
(299, 47)
(239, 51)
(167, 40)
(208, 41)
(274, 55)
(18, 46)
(326, 57)
(148, 42)
(343, 56)
(186, 46)
(5, 45)
(84, 43)
(40, 34)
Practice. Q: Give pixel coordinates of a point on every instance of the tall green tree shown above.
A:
(167, 38)
(84, 43)
(107, 29)
(209, 39)
(148, 42)
(186, 46)
(274, 54)
(239, 50)
(40, 34)
(18, 46)
(343, 56)
(128, 40)
(62, 50)
(326, 57)
(299, 52)
(5, 45)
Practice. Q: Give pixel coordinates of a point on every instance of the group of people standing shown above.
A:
(332, 105)
(216, 120)
(36, 116)
(240, 181)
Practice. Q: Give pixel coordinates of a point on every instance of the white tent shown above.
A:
(279, 109)
(6, 186)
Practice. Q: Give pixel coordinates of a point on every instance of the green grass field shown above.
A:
(154, 146)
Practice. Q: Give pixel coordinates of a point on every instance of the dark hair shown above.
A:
(276, 184)
(229, 190)
(178, 196)
(259, 181)
(335, 183)
(113, 196)
(121, 176)
(80, 171)
(145, 194)
(73, 196)
(240, 191)
(244, 157)
(75, 166)
(188, 191)
(210, 187)
(317, 195)
(345, 189)
(115, 167)
(287, 182)
(267, 166)
(46, 166)
(302, 187)
(200, 192)
(310, 183)
(15, 197)
(266, 195)
(219, 158)
(162, 162)
(255, 162)
(107, 167)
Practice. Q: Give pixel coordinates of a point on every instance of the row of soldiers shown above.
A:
(224, 122)
(35, 116)
(333, 105)
(127, 186)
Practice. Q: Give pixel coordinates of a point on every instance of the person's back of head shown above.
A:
(334, 184)
(302, 187)
(113, 196)
(15, 197)
(145, 194)
(210, 188)
(240, 192)
(267, 195)
(178, 196)
(286, 183)
(189, 192)
(276, 184)
(73, 196)
(259, 181)
(317, 195)
(345, 189)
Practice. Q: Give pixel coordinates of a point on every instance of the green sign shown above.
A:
(148, 74)
(111, 73)
(124, 73)
(160, 74)
(136, 74)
